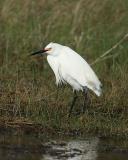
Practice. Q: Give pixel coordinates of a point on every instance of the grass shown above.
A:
(27, 85)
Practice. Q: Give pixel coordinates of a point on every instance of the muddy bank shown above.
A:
(21, 128)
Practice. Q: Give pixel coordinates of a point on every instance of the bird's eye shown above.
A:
(49, 49)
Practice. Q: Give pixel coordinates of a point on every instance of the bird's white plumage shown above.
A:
(70, 67)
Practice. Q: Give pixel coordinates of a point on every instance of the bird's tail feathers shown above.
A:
(97, 89)
(98, 92)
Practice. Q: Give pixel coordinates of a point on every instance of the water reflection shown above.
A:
(74, 150)
(33, 148)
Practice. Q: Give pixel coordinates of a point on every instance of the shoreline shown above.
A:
(26, 128)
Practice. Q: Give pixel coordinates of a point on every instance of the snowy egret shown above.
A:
(69, 67)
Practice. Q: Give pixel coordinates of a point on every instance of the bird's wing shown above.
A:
(72, 64)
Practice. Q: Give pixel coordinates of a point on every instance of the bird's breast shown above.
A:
(55, 66)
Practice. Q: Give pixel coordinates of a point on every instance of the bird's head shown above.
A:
(50, 49)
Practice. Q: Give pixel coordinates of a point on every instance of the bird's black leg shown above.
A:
(73, 103)
(86, 99)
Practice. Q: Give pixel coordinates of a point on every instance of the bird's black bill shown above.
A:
(38, 52)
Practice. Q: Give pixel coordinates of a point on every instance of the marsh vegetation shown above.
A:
(28, 94)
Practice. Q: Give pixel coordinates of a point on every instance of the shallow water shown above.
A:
(28, 147)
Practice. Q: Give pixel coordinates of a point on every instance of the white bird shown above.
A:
(69, 67)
